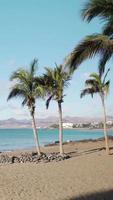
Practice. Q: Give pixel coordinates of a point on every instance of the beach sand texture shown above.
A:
(87, 172)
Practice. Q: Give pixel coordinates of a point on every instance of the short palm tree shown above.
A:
(26, 89)
(56, 80)
(97, 84)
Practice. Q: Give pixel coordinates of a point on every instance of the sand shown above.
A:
(88, 173)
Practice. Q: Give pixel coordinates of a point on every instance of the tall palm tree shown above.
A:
(96, 44)
(55, 81)
(103, 9)
(97, 84)
(92, 45)
(26, 89)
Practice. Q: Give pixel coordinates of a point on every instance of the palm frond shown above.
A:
(24, 102)
(16, 92)
(48, 101)
(27, 86)
(87, 91)
(104, 79)
(91, 82)
(96, 85)
(96, 78)
(33, 67)
(39, 92)
(106, 87)
(104, 58)
(97, 8)
(89, 47)
(20, 75)
(108, 27)
(56, 81)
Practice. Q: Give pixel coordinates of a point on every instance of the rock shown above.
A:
(32, 157)
(56, 142)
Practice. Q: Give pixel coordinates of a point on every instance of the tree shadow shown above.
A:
(103, 195)
(89, 151)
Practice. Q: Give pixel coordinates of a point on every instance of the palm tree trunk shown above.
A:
(60, 128)
(35, 135)
(105, 128)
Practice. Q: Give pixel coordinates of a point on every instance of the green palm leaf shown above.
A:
(54, 82)
(87, 91)
(97, 8)
(89, 47)
(96, 85)
(26, 86)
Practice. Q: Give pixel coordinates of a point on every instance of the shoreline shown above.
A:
(56, 144)
(88, 170)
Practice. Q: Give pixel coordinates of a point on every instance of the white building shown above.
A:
(79, 125)
(109, 122)
(95, 124)
(67, 125)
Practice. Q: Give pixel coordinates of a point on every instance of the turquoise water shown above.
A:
(12, 139)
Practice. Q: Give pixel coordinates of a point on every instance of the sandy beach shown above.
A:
(88, 173)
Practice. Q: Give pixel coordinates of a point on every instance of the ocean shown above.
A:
(15, 139)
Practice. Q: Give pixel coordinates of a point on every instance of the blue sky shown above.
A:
(48, 30)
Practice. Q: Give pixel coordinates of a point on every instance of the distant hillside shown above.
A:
(46, 122)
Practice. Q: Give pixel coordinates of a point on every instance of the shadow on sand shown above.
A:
(90, 151)
(104, 195)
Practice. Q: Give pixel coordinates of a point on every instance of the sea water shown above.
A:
(13, 139)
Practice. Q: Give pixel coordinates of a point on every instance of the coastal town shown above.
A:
(90, 125)
(52, 122)
(56, 102)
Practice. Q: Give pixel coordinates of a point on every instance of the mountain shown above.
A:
(47, 122)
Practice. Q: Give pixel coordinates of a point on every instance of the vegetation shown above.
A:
(26, 89)
(54, 126)
(89, 47)
(94, 44)
(103, 9)
(98, 84)
(55, 81)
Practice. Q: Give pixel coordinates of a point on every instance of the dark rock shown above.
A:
(56, 142)
(32, 157)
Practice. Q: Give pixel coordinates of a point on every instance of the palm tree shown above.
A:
(103, 9)
(55, 81)
(26, 89)
(97, 84)
(96, 44)
(92, 45)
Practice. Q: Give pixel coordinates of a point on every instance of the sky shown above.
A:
(47, 30)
